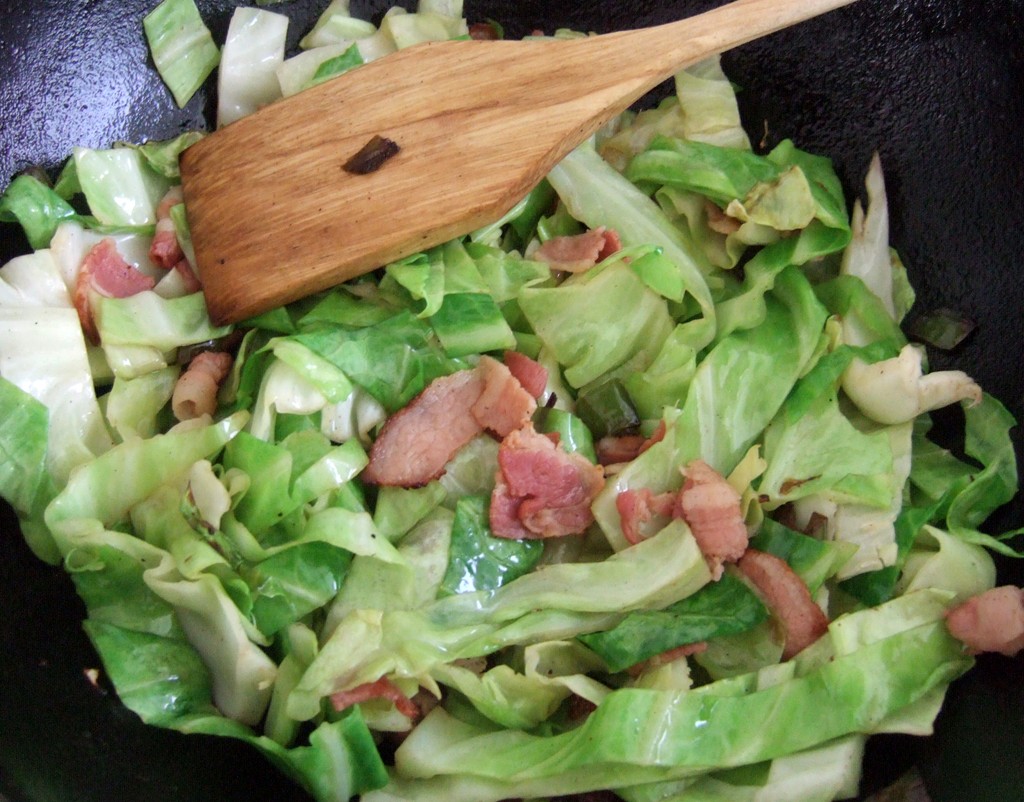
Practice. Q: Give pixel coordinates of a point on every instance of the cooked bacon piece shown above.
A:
(656, 436)
(171, 198)
(381, 689)
(580, 709)
(484, 30)
(535, 467)
(615, 449)
(788, 599)
(546, 490)
(666, 657)
(165, 250)
(612, 244)
(543, 519)
(478, 665)
(189, 279)
(638, 507)
(504, 512)
(578, 252)
(719, 221)
(711, 508)
(992, 621)
(503, 406)
(531, 374)
(418, 441)
(195, 393)
(680, 651)
(816, 524)
(111, 274)
(105, 271)
(424, 702)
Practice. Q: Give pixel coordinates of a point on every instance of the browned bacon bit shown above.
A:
(802, 621)
(580, 708)
(380, 689)
(541, 490)
(789, 485)
(816, 525)
(165, 250)
(424, 701)
(719, 221)
(639, 507)
(417, 441)
(577, 253)
(786, 515)
(680, 651)
(711, 508)
(486, 31)
(503, 405)
(530, 373)
(478, 665)
(992, 621)
(656, 436)
(189, 279)
(666, 657)
(372, 155)
(615, 449)
(105, 271)
(195, 392)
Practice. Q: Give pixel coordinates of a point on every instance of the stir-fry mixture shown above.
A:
(620, 492)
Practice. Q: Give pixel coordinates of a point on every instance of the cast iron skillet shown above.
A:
(934, 85)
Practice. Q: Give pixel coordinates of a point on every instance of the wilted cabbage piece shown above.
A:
(253, 50)
(182, 47)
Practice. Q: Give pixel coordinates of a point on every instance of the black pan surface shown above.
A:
(934, 85)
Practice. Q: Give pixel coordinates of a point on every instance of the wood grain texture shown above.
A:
(275, 217)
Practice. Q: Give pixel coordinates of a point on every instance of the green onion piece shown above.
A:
(941, 328)
(607, 409)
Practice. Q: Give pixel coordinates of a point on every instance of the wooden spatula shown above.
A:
(278, 208)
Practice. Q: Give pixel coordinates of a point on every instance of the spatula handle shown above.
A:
(676, 44)
(652, 55)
